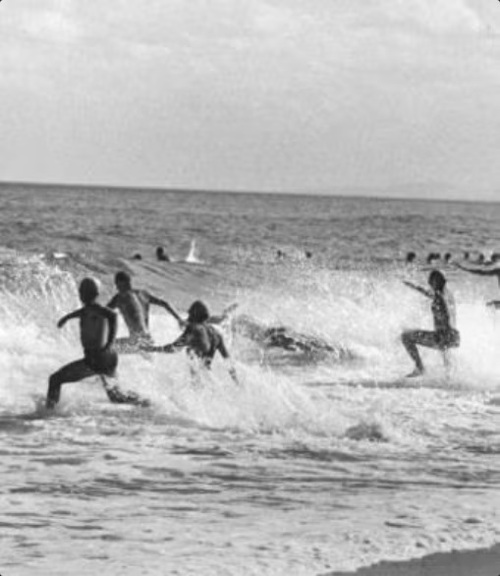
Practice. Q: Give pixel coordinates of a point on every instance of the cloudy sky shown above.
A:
(395, 97)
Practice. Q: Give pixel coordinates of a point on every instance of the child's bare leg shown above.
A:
(72, 372)
(194, 372)
(409, 340)
(116, 395)
(448, 362)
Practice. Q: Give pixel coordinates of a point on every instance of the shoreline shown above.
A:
(481, 562)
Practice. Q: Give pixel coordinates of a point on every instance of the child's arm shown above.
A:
(167, 306)
(112, 325)
(182, 342)
(423, 291)
(223, 315)
(113, 303)
(70, 316)
(480, 271)
(167, 349)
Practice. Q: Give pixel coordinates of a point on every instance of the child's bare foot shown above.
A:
(417, 372)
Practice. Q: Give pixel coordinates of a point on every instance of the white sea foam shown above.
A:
(316, 462)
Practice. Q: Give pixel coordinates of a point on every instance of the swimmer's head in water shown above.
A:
(122, 281)
(437, 281)
(161, 254)
(410, 257)
(433, 256)
(89, 290)
(198, 312)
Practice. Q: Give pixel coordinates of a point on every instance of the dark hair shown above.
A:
(123, 278)
(161, 254)
(88, 290)
(198, 312)
(437, 280)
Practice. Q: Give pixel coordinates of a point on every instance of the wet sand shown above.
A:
(464, 563)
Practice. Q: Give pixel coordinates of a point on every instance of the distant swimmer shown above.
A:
(410, 258)
(97, 334)
(162, 255)
(445, 334)
(492, 269)
(137, 256)
(134, 307)
(433, 256)
(200, 339)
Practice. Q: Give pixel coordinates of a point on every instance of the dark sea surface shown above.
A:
(320, 460)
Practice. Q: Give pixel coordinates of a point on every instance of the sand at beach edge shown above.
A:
(456, 563)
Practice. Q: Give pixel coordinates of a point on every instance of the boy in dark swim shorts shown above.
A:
(97, 334)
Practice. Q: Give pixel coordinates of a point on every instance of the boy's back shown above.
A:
(94, 326)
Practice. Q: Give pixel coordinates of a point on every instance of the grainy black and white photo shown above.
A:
(250, 288)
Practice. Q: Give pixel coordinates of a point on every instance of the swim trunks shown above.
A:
(448, 339)
(102, 361)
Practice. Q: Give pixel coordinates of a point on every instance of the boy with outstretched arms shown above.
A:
(445, 334)
(134, 307)
(97, 334)
(200, 339)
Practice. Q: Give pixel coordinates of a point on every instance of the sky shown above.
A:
(378, 97)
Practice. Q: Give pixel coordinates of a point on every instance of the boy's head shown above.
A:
(122, 281)
(198, 312)
(437, 281)
(88, 290)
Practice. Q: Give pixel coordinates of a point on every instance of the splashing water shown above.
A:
(192, 257)
(319, 461)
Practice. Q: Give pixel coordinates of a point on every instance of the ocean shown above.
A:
(322, 460)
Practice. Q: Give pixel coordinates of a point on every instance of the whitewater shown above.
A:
(316, 463)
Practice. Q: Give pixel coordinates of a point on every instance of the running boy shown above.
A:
(134, 307)
(97, 334)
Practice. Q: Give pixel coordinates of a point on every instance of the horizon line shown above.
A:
(254, 192)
